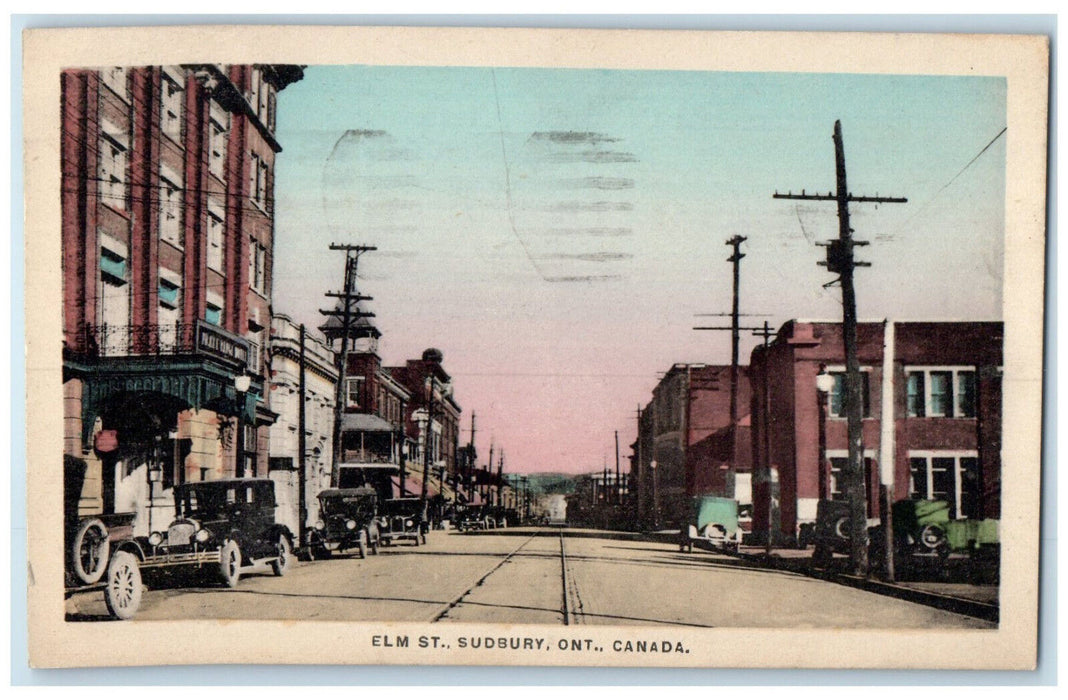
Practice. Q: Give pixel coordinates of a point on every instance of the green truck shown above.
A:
(713, 519)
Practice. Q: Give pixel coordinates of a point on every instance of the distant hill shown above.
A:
(549, 482)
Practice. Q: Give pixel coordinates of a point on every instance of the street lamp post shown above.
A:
(242, 383)
(824, 386)
(656, 497)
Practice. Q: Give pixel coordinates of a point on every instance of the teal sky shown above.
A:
(554, 231)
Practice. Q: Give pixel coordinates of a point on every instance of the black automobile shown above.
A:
(347, 521)
(227, 524)
(402, 519)
(473, 518)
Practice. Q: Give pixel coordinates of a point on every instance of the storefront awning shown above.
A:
(365, 423)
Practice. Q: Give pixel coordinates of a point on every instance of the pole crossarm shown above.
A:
(353, 248)
(832, 197)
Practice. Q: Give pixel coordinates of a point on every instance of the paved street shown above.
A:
(521, 577)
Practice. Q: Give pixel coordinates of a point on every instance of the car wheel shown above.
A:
(933, 537)
(285, 554)
(230, 563)
(122, 594)
(841, 528)
(90, 551)
(362, 544)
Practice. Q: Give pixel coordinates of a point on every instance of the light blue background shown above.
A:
(302, 675)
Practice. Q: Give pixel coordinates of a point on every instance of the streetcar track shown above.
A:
(563, 576)
(441, 613)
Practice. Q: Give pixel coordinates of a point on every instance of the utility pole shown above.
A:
(427, 443)
(617, 490)
(471, 462)
(641, 471)
(302, 447)
(348, 314)
(735, 259)
(500, 477)
(841, 262)
(734, 328)
(765, 433)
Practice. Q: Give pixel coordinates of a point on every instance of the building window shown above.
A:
(353, 392)
(112, 167)
(115, 78)
(839, 462)
(217, 135)
(940, 392)
(258, 175)
(255, 344)
(953, 478)
(170, 207)
(169, 301)
(257, 267)
(171, 94)
(216, 235)
(115, 299)
(213, 314)
(836, 400)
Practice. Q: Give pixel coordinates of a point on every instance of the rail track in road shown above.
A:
(570, 602)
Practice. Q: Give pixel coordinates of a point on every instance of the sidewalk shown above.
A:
(973, 599)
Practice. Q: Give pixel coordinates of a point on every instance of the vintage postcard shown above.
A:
(534, 347)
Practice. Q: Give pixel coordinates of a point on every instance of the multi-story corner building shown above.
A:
(288, 351)
(686, 446)
(932, 419)
(167, 232)
(430, 388)
(374, 444)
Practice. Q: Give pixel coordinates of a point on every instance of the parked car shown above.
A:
(831, 531)
(473, 518)
(227, 524)
(403, 519)
(714, 520)
(347, 520)
(98, 549)
(926, 537)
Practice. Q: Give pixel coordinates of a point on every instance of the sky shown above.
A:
(558, 232)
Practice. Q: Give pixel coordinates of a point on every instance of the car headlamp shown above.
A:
(350, 524)
(203, 536)
(155, 539)
(407, 523)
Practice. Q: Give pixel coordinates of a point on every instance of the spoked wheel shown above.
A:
(89, 552)
(230, 563)
(123, 591)
(285, 553)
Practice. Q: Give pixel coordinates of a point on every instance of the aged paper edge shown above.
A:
(1022, 60)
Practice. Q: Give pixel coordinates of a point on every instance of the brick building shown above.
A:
(939, 432)
(167, 237)
(430, 388)
(374, 442)
(685, 429)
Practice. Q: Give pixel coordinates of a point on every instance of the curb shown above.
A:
(961, 606)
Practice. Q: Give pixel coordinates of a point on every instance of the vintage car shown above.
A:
(926, 537)
(226, 525)
(830, 534)
(473, 518)
(713, 520)
(347, 520)
(99, 549)
(403, 519)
